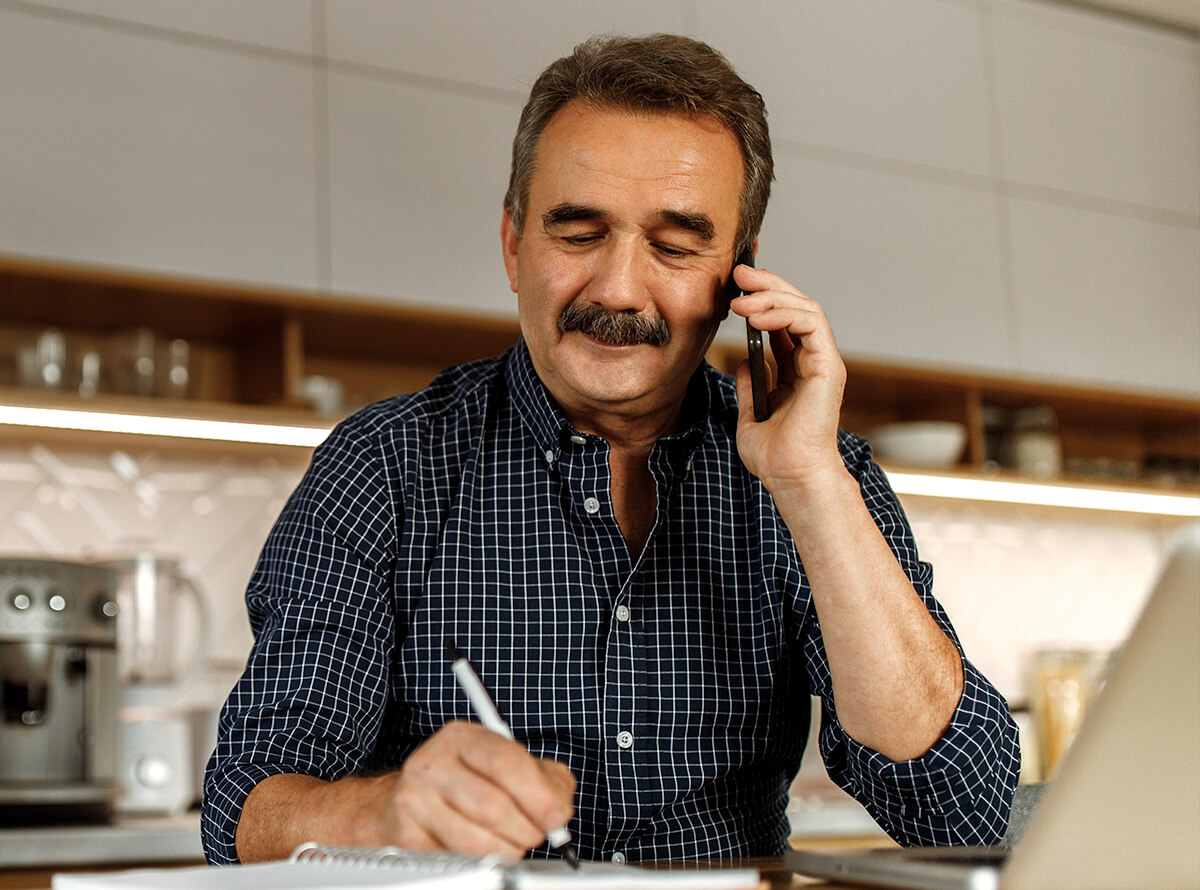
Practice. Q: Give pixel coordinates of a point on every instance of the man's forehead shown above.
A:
(587, 153)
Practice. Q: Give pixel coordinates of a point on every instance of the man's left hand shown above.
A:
(798, 443)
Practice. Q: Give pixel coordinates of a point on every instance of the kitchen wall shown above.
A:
(1013, 578)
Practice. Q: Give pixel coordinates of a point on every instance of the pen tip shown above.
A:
(452, 650)
(571, 856)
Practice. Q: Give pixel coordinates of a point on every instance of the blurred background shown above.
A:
(996, 201)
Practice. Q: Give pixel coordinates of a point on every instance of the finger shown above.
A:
(452, 829)
(559, 773)
(487, 810)
(752, 278)
(519, 774)
(745, 393)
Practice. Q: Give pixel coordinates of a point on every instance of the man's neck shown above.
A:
(628, 431)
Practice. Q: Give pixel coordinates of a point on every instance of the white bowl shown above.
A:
(923, 443)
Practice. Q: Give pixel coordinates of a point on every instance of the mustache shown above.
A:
(616, 328)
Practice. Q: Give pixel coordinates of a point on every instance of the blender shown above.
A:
(164, 638)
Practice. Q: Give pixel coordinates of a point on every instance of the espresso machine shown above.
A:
(58, 691)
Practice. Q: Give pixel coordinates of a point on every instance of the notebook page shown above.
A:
(548, 874)
(283, 876)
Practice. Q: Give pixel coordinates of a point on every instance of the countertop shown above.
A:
(125, 840)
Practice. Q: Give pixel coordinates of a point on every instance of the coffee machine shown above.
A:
(58, 690)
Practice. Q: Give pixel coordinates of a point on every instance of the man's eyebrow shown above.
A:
(696, 223)
(569, 213)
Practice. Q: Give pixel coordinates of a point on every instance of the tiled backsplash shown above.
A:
(212, 513)
(1013, 578)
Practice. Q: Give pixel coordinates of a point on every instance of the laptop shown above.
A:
(1124, 808)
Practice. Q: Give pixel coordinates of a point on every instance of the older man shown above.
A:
(651, 582)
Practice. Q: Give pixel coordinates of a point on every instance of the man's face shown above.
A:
(629, 217)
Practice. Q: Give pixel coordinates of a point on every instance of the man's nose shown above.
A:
(619, 284)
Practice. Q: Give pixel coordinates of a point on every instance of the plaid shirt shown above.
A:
(675, 684)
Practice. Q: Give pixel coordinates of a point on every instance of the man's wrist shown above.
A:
(813, 488)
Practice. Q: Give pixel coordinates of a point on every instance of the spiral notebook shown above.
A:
(314, 867)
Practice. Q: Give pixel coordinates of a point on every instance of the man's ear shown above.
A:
(508, 244)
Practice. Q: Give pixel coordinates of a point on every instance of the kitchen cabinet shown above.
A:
(252, 349)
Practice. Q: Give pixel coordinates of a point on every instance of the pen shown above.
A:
(485, 709)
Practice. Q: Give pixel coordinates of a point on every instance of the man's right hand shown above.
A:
(465, 789)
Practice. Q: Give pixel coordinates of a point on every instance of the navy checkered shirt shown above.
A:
(676, 685)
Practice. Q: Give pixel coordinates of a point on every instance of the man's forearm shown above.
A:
(897, 678)
(283, 811)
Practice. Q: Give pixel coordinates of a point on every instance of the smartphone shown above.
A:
(757, 349)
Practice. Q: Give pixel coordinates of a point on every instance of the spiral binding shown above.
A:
(395, 857)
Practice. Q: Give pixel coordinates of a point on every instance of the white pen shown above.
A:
(485, 709)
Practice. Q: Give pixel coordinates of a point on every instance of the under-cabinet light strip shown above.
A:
(1045, 494)
(175, 427)
(904, 482)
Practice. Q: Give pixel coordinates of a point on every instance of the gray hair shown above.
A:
(659, 74)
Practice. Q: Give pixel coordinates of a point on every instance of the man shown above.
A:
(651, 582)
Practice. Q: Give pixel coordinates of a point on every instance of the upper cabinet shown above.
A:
(1024, 201)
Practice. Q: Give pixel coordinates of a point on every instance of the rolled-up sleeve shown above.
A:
(960, 790)
(312, 696)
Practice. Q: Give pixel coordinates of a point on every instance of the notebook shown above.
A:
(1124, 809)
(314, 867)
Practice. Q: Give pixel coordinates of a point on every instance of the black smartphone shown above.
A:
(756, 347)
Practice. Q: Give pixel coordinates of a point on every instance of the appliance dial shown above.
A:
(153, 772)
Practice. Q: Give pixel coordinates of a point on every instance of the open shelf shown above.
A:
(251, 349)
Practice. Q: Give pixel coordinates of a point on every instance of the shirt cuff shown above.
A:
(957, 792)
(221, 810)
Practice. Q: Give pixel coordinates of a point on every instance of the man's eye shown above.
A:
(668, 250)
(580, 240)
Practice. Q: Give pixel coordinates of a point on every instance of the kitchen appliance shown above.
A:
(155, 758)
(58, 690)
(158, 645)
(164, 642)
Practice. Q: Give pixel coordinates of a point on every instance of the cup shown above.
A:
(176, 376)
(1063, 682)
(133, 362)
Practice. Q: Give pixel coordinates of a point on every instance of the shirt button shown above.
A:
(619, 858)
(578, 439)
(591, 505)
(622, 612)
(625, 739)
(549, 456)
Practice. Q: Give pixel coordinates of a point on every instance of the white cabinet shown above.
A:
(1092, 106)
(417, 181)
(871, 78)
(278, 24)
(125, 150)
(497, 46)
(904, 268)
(1106, 298)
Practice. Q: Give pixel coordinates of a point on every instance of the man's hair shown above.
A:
(655, 74)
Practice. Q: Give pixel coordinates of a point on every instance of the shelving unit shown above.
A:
(252, 347)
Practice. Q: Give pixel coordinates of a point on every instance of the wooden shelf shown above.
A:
(1109, 436)
(251, 348)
